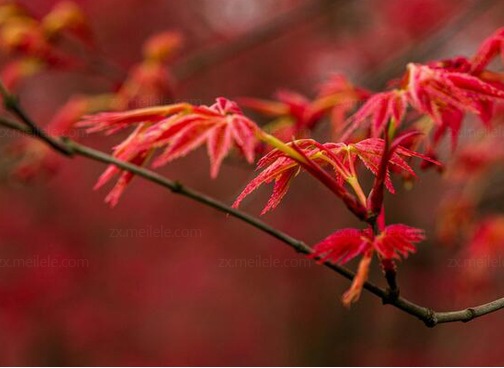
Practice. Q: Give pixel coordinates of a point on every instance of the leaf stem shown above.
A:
(353, 181)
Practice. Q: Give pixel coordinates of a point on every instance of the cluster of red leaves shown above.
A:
(147, 83)
(178, 129)
(444, 91)
(34, 43)
(32, 46)
(293, 113)
(345, 244)
(340, 157)
(150, 82)
(296, 115)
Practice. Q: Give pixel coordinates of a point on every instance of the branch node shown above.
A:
(67, 145)
(472, 315)
(431, 319)
(177, 187)
(300, 247)
(10, 102)
(391, 296)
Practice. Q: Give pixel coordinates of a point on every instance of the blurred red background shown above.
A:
(146, 300)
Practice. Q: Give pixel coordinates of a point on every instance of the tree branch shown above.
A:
(428, 316)
(11, 104)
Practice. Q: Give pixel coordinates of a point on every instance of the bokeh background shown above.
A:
(188, 299)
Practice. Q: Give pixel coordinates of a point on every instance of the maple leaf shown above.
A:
(490, 48)
(67, 16)
(393, 242)
(180, 129)
(444, 91)
(151, 80)
(340, 97)
(112, 122)
(13, 73)
(342, 246)
(147, 83)
(337, 87)
(25, 35)
(379, 109)
(370, 152)
(397, 240)
(281, 168)
(281, 171)
(32, 159)
(68, 115)
(337, 96)
(289, 108)
(352, 295)
(123, 153)
(458, 64)
(162, 46)
(220, 126)
(445, 96)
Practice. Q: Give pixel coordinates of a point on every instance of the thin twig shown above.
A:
(11, 103)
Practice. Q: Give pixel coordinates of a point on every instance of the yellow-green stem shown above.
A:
(354, 183)
(278, 144)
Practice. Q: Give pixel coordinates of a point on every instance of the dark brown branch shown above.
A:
(12, 104)
(208, 57)
(429, 317)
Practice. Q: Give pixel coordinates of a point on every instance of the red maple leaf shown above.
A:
(345, 244)
(178, 129)
(446, 96)
(289, 107)
(337, 96)
(444, 91)
(122, 153)
(490, 48)
(379, 110)
(281, 168)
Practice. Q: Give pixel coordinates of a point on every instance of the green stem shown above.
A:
(278, 144)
